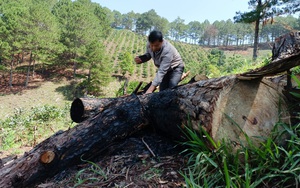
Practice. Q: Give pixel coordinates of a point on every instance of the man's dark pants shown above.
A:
(172, 78)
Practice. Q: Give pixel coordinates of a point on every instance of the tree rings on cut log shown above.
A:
(47, 157)
(249, 107)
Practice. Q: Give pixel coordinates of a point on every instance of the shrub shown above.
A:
(25, 128)
(130, 88)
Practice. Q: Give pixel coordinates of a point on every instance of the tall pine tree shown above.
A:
(263, 10)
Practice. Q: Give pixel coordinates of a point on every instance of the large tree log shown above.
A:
(226, 107)
(217, 105)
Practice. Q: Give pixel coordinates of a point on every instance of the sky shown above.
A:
(189, 10)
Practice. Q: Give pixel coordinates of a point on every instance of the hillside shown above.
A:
(116, 44)
(195, 56)
(121, 41)
(56, 87)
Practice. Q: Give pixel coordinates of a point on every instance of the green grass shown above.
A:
(29, 127)
(93, 173)
(268, 165)
(29, 117)
(247, 54)
(45, 93)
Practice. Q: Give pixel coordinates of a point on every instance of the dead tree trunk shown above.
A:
(215, 104)
(219, 105)
(226, 107)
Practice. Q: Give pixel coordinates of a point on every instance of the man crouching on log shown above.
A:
(166, 58)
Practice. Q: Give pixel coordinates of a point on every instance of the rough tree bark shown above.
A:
(218, 105)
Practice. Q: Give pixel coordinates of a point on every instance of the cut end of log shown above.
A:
(47, 157)
(250, 108)
(77, 110)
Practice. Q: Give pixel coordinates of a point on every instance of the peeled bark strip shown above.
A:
(275, 67)
(285, 55)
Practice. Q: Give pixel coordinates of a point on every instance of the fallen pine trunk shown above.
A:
(218, 105)
(226, 107)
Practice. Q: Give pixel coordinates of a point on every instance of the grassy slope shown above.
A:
(47, 93)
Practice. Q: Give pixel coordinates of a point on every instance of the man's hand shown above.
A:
(150, 89)
(137, 60)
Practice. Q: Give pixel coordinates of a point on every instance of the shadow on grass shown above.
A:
(71, 91)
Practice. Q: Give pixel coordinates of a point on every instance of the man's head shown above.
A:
(155, 39)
